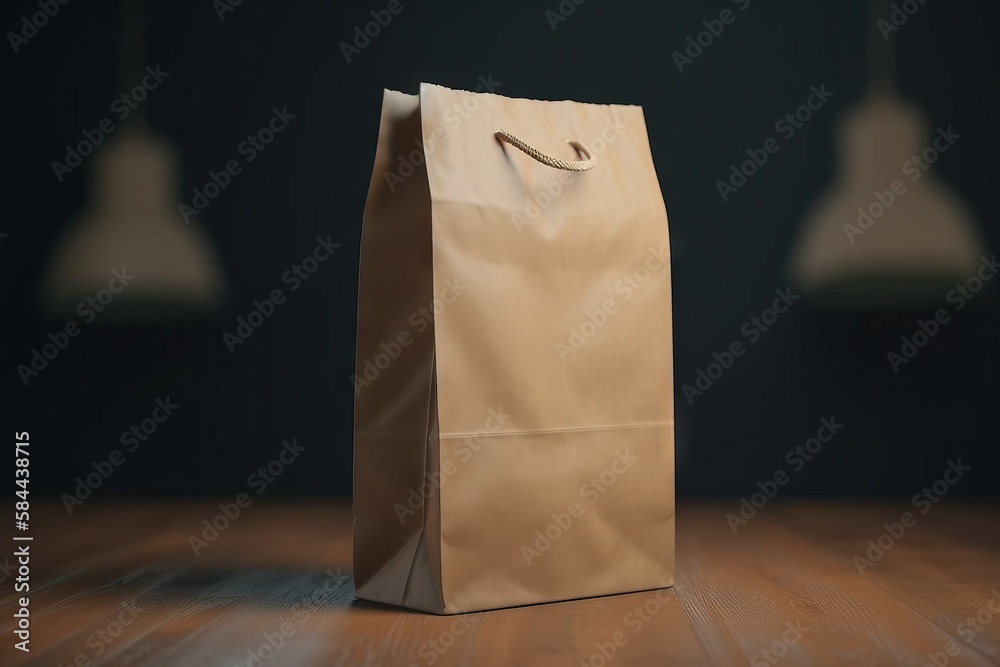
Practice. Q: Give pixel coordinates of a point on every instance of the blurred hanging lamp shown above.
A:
(865, 243)
(135, 223)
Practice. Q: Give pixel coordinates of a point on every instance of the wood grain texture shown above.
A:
(118, 583)
(778, 585)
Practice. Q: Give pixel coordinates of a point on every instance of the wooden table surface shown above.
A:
(119, 584)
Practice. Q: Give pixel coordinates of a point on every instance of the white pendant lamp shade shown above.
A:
(166, 267)
(887, 232)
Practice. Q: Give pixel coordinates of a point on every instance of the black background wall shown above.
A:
(290, 379)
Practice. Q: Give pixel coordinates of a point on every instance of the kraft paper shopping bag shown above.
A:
(514, 418)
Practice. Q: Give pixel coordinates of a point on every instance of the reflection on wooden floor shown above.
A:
(119, 584)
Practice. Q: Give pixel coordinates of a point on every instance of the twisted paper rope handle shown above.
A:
(569, 165)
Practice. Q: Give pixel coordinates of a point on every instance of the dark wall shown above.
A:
(290, 379)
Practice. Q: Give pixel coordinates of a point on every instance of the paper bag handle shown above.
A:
(569, 165)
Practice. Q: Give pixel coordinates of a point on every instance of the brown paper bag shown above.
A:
(514, 420)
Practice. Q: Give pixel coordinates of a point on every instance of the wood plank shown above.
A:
(373, 634)
(259, 617)
(769, 589)
(735, 598)
(946, 566)
(647, 628)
